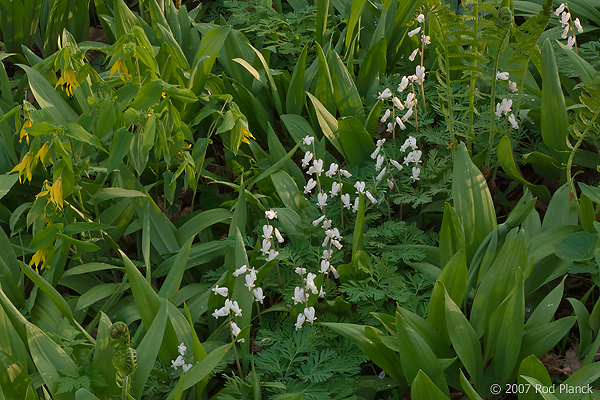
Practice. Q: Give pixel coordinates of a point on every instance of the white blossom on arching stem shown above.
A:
(513, 121)
(326, 224)
(310, 283)
(560, 9)
(397, 165)
(410, 142)
(178, 362)
(345, 173)
(250, 279)
(355, 205)
(310, 314)
(390, 183)
(221, 312)
(390, 128)
(307, 158)
(421, 18)
(381, 174)
(299, 296)
(386, 115)
(318, 220)
(360, 187)
(414, 32)
(375, 152)
(564, 18)
(512, 86)
(577, 24)
(266, 246)
(236, 309)
(565, 32)
(322, 199)
(346, 200)
(235, 330)
(332, 170)
(223, 291)
(379, 163)
(415, 174)
(300, 321)
(271, 214)
(272, 255)
(420, 73)
(413, 54)
(426, 40)
(409, 100)
(571, 42)
(385, 94)
(186, 367)
(400, 123)
(240, 271)
(182, 349)
(310, 185)
(327, 254)
(370, 197)
(397, 103)
(258, 295)
(278, 236)
(324, 266)
(308, 140)
(300, 270)
(316, 168)
(408, 114)
(267, 231)
(502, 75)
(403, 84)
(335, 188)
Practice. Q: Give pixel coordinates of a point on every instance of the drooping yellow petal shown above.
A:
(56, 193)
(24, 165)
(43, 152)
(120, 68)
(247, 135)
(69, 80)
(38, 258)
(23, 133)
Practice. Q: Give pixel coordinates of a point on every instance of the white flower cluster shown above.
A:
(413, 157)
(180, 361)
(504, 107)
(565, 20)
(268, 231)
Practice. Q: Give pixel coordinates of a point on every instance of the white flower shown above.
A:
(322, 199)
(360, 187)
(267, 231)
(271, 214)
(578, 25)
(386, 115)
(335, 188)
(318, 220)
(414, 32)
(502, 75)
(380, 142)
(403, 84)
(308, 140)
(310, 185)
(413, 156)
(223, 291)
(420, 73)
(415, 174)
(385, 94)
(346, 200)
(413, 54)
(278, 236)
(300, 321)
(421, 18)
(345, 173)
(571, 42)
(324, 266)
(310, 314)
(236, 308)
(513, 121)
(410, 142)
(409, 100)
(318, 166)
(298, 295)
(390, 127)
(306, 160)
(560, 9)
(221, 312)
(335, 273)
(327, 254)
(250, 279)
(379, 163)
(310, 283)
(397, 165)
(400, 123)
(300, 270)
(512, 86)
(332, 170)
(498, 110)
(337, 244)
(240, 271)
(397, 103)
(266, 245)
(390, 183)
(565, 32)
(564, 18)
(370, 197)
(374, 153)
(426, 40)
(503, 107)
(186, 367)
(272, 255)
(381, 174)
(326, 224)
(408, 114)
(235, 330)
(182, 349)
(355, 205)
(178, 362)
(321, 292)
(258, 295)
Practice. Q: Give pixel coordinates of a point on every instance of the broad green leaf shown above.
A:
(113, 193)
(297, 126)
(452, 235)
(96, 294)
(7, 181)
(288, 191)
(295, 97)
(373, 117)
(77, 132)
(355, 13)
(328, 123)
(423, 388)
(48, 99)
(467, 388)
(472, 201)
(355, 140)
(346, 95)
(532, 367)
(583, 377)
(583, 322)
(561, 210)
(50, 360)
(464, 340)
(579, 246)
(205, 57)
(546, 309)
(84, 394)
(170, 286)
(11, 343)
(90, 267)
(201, 221)
(15, 382)
(554, 121)
(372, 67)
(119, 147)
(535, 383)
(322, 86)
(124, 20)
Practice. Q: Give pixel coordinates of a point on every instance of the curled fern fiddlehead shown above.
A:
(125, 358)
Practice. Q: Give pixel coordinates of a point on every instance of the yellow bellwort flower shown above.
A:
(23, 133)
(39, 258)
(24, 165)
(120, 68)
(69, 80)
(43, 153)
(247, 135)
(56, 193)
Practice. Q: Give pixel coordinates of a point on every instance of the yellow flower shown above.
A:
(43, 152)
(247, 135)
(163, 94)
(120, 67)
(24, 165)
(39, 258)
(56, 193)
(23, 133)
(68, 79)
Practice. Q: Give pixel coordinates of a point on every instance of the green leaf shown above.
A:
(423, 388)
(84, 394)
(346, 95)
(48, 99)
(355, 12)
(288, 191)
(534, 382)
(15, 382)
(113, 193)
(579, 246)
(467, 388)
(371, 68)
(77, 132)
(472, 201)
(295, 98)
(200, 222)
(546, 309)
(96, 294)
(452, 235)
(355, 140)
(170, 286)
(205, 57)
(561, 210)
(119, 147)
(532, 367)
(554, 119)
